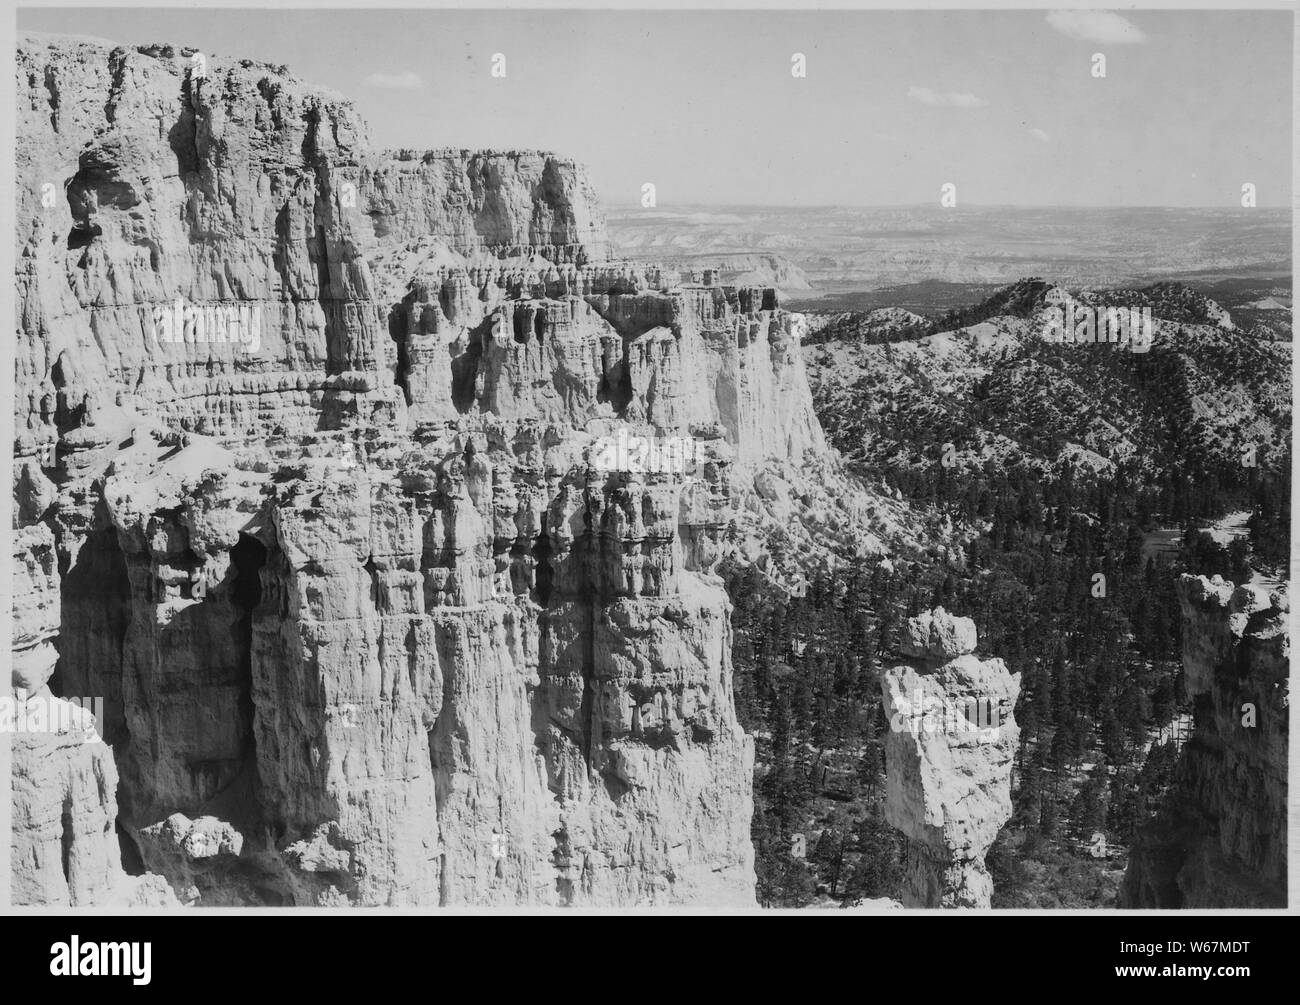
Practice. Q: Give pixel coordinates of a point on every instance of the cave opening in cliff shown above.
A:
(94, 613)
(521, 326)
(132, 860)
(67, 415)
(464, 365)
(82, 234)
(616, 385)
(397, 332)
(248, 557)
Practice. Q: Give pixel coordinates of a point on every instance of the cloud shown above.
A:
(1041, 135)
(944, 99)
(1096, 26)
(406, 81)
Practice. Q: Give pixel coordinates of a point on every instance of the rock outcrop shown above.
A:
(948, 758)
(1220, 837)
(64, 848)
(371, 622)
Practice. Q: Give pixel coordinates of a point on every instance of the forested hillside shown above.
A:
(1066, 462)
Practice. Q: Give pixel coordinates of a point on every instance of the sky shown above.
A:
(1002, 104)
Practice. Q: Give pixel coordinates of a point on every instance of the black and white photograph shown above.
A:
(602, 460)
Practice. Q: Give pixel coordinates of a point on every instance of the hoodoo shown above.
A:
(948, 764)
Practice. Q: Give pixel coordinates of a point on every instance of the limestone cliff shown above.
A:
(1219, 840)
(948, 758)
(65, 847)
(371, 623)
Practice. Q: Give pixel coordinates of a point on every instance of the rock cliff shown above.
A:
(371, 622)
(948, 757)
(1219, 840)
(65, 848)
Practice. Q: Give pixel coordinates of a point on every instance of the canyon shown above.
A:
(375, 619)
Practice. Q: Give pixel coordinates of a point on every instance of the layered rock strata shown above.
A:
(1220, 838)
(372, 620)
(64, 848)
(948, 759)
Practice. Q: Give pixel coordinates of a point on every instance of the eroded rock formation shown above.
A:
(370, 624)
(948, 757)
(64, 847)
(1219, 840)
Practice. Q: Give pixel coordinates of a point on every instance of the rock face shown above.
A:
(948, 759)
(1220, 839)
(371, 622)
(64, 849)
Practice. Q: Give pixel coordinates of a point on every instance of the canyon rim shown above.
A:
(405, 527)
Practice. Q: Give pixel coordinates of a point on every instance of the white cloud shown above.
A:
(1096, 26)
(1040, 134)
(944, 99)
(406, 81)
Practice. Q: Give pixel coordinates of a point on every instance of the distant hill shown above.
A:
(983, 379)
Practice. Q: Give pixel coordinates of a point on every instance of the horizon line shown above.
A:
(928, 205)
